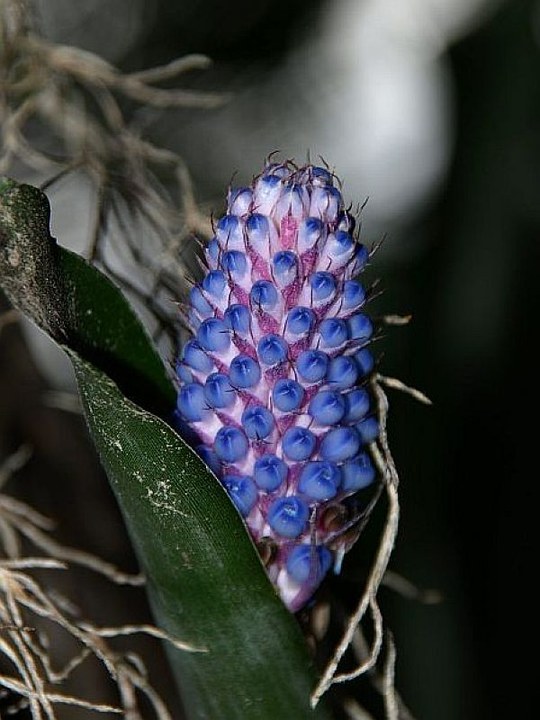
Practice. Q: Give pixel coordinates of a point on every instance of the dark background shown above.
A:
(462, 257)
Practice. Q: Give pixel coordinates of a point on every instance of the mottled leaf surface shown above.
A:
(207, 584)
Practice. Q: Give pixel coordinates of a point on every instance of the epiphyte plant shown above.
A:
(278, 393)
(274, 380)
(276, 389)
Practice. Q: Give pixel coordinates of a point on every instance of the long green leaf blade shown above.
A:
(206, 580)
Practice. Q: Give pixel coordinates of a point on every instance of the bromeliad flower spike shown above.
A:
(275, 378)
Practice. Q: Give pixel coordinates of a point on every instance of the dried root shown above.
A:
(31, 612)
(144, 208)
(370, 660)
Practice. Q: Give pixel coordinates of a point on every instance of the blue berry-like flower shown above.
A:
(275, 378)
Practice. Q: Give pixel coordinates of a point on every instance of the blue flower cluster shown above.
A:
(275, 378)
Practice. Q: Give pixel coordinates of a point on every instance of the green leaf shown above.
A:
(73, 302)
(206, 582)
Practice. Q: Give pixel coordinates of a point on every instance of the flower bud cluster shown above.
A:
(274, 380)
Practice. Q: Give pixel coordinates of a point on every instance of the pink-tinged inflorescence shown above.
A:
(274, 381)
